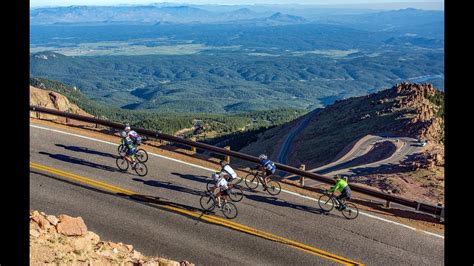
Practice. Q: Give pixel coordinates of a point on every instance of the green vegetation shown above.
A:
(438, 100)
(230, 82)
(217, 124)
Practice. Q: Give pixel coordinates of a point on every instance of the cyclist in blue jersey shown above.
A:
(266, 166)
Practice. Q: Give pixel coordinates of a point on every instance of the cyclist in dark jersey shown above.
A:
(266, 166)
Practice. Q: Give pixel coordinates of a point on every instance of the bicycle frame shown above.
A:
(214, 196)
(335, 200)
(259, 176)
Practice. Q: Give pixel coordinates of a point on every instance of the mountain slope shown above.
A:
(411, 110)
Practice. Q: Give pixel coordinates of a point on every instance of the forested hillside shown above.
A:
(216, 124)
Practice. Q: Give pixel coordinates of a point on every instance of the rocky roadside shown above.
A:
(65, 240)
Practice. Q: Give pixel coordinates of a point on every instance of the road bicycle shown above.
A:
(140, 168)
(255, 177)
(209, 202)
(327, 202)
(141, 154)
(235, 192)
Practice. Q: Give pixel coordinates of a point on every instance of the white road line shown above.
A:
(213, 170)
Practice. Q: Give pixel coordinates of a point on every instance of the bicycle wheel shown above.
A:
(209, 185)
(141, 169)
(326, 203)
(229, 210)
(251, 181)
(122, 150)
(122, 164)
(141, 155)
(351, 211)
(207, 203)
(236, 194)
(273, 187)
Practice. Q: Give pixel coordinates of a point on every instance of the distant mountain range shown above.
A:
(152, 14)
(405, 19)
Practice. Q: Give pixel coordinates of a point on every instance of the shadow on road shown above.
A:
(86, 150)
(283, 203)
(168, 185)
(201, 179)
(75, 160)
(138, 198)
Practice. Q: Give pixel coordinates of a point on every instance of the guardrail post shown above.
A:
(441, 214)
(193, 149)
(38, 115)
(67, 120)
(302, 167)
(387, 204)
(227, 157)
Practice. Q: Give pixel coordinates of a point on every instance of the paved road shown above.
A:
(155, 230)
(283, 154)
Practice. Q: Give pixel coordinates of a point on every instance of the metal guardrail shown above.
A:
(419, 206)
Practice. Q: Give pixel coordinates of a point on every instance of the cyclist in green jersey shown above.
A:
(342, 186)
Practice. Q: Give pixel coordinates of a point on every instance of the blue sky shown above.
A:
(409, 3)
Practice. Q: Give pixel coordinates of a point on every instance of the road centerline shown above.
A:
(205, 217)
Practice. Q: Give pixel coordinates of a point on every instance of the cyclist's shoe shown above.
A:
(265, 189)
(134, 165)
(343, 207)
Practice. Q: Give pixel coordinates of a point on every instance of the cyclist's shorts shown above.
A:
(269, 172)
(225, 192)
(346, 193)
(131, 151)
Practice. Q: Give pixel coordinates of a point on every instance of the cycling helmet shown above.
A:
(336, 177)
(127, 128)
(262, 157)
(215, 176)
(123, 134)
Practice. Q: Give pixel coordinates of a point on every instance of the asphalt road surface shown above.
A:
(283, 154)
(78, 176)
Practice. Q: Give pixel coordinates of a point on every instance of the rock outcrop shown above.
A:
(424, 124)
(53, 100)
(64, 240)
(429, 159)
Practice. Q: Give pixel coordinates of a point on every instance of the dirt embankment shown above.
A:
(420, 176)
(64, 240)
(53, 100)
